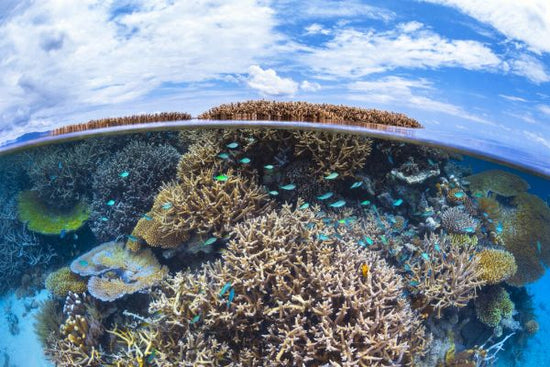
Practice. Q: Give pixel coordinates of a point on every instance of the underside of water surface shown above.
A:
(269, 247)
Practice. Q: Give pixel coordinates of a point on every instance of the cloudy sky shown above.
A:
(469, 66)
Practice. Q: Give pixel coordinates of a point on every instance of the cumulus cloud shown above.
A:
(268, 83)
(525, 20)
(64, 56)
(341, 9)
(310, 86)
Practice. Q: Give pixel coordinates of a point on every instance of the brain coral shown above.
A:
(291, 292)
(116, 271)
(493, 305)
(500, 182)
(131, 178)
(496, 265)
(63, 281)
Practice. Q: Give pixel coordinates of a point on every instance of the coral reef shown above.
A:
(63, 281)
(43, 219)
(304, 111)
(130, 177)
(47, 321)
(499, 182)
(456, 220)
(493, 305)
(115, 271)
(496, 265)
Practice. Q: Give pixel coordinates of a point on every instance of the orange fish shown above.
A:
(365, 270)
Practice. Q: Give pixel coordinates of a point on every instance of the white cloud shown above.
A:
(537, 138)
(524, 20)
(413, 93)
(316, 28)
(353, 53)
(342, 9)
(529, 67)
(310, 86)
(545, 109)
(512, 98)
(67, 56)
(267, 82)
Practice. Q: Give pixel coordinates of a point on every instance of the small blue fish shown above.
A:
(486, 215)
(53, 177)
(369, 241)
(425, 256)
(432, 163)
(232, 145)
(60, 165)
(195, 319)
(288, 187)
(325, 196)
(104, 219)
(224, 289)
(245, 160)
(210, 241)
(231, 296)
(407, 267)
(111, 202)
(384, 239)
(398, 202)
(273, 193)
(269, 167)
(390, 159)
(538, 246)
(459, 195)
(132, 238)
(332, 176)
(499, 227)
(304, 206)
(83, 263)
(221, 178)
(338, 204)
(124, 174)
(147, 217)
(469, 229)
(323, 237)
(166, 206)
(437, 248)
(62, 233)
(356, 185)
(223, 155)
(151, 356)
(366, 202)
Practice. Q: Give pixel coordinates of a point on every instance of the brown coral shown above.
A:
(493, 305)
(496, 265)
(63, 281)
(500, 182)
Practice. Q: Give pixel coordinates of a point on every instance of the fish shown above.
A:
(365, 270)
(288, 187)
(304, 206)
(431, 163)
(397, 202)
(323, 237)
(60, 165)
(111, 202)
(166, 206)
(221, 178)
(365, 202)
(390, 159)
(269, 167)
(338, 204)
(151, 356)
(132, 238)
(104, 219)
(356, 185)
(499, 227)
(332, 176)
(224, 289)
(232, 145)
(147, 217)
(245, 160)
(62, 233)
(195, 319)
(538, 246)
(273, 193)
(425, 256)
(469, 229)
(384, 239)
(53, 177)
(231, 296)
(458, 194)
(223, 155)
(325, 196)
(413, 283)
(83, 263)
(210, 241)
(369, 241)
(124, 174)
(437, 248)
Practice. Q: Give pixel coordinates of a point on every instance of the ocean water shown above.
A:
(266, 247)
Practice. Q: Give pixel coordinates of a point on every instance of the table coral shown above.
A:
(496, 265)
(500, 182)
(115, 271)
(63, 281)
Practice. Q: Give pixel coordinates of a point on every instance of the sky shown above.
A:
(472, 67)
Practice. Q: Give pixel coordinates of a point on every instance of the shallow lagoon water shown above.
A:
(388, 253)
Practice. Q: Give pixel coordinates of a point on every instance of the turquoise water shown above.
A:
(271, 247)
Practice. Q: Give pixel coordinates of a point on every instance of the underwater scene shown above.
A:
(211, 246)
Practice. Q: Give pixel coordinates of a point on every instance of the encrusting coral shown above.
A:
(115, 271)
(493, 305)
(496, 265)
(43, 219)
(284, 293)
(63, 281)
(499, 182)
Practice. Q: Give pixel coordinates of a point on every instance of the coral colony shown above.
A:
(263, 247)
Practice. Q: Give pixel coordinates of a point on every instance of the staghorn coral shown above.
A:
(130, 177)
(496, 265)
(500, 182)
(63, 281)
(340, 153)
(203, 205)
(456, 220)
(41, 218)
(284, 293)
(493, 305)
(443, 275)
(304, 111)
(201, 155)
(115, 271)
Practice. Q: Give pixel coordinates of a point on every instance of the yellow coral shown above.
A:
(63, 281)
(493, 305)
(496, 265)
(465, 240)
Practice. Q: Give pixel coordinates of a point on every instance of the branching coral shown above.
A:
(63, 281)
(443, 275)
(116, 271)
(284, 293)
(339, 153)
(456, 220)
(500, 182)
(496, 265)
(493, 305)
(130, 178)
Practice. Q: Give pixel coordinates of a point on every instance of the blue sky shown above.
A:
(475, 67)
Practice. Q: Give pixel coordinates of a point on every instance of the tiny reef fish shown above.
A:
(221, 178)
(223, 155)
(304, 206)
(210, 241)
(245, 160)
(365, 202)
(425, 256)
(225, 288)
(458, 194)
(147, 217)
(323, 237)
(365, 270)
(273, 193)
(196, 319)
(166, 206)
(331, 176)
(338, 204)
(231, 296)
(325, 196)
(232, 145)
(288, 187)
(132, 238)
(356, 185)
(398, 202)
(269, 167)
(111, 202)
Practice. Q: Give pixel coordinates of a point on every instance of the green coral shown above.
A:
(61, 281)
(43, 219)
(494, 305)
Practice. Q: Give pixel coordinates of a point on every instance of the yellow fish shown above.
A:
(365, 270)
